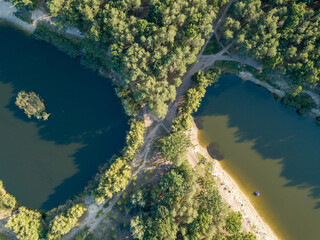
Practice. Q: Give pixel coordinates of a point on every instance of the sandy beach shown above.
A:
(236, 199)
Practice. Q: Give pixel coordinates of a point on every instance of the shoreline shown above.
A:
(7, 11)
(236, 199)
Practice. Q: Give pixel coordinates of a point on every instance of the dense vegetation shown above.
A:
(283, 34)
(193, 98)
(7, 202)
(64, 222)
(116, 178)
(186, 203)
(26, 224)
(150, 42)
(32, 105)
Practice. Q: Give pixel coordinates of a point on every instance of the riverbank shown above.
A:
(231, 194)
(246, 76)
(7, 13)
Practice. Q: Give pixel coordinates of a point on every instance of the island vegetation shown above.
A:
(32, 105)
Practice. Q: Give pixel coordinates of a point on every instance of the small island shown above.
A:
(32, 105)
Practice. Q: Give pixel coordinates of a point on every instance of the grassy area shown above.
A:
(213, 47)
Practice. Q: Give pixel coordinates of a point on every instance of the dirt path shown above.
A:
(93, 209)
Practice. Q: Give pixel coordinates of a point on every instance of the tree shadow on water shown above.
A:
(277, 132)
(84, 108)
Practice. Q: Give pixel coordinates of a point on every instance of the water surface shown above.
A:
(269, 148)
(43, 163)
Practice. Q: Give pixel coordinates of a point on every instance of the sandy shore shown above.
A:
(236, 199)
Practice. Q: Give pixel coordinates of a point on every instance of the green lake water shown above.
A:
(269, 148)
(44, 163)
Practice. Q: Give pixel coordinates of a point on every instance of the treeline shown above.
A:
(116, 178)
(284, 35)
(150, 42)
(193, 98)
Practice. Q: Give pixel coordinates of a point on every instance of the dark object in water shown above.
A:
(256, 193)
(215, 152)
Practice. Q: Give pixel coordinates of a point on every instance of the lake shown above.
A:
(44, 163)
(268, 148)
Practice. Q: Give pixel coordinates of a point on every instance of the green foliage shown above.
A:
(302, 103)
(7, 201)
(134, 140)
(26, 224)
(193, 98)
(25, 4)
(283, 35)
(114, 180)
(150, 43)
(233, 222)
(242, 236)
(64, 222)
(213, 47)
(32, 105)
(174, 146)
(183, 205)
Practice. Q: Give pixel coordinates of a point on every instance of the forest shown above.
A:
(150, 42)
(282, 34)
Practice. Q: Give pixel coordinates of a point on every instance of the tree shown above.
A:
(233, 222)
(64, 222)
(114, 180)
(26, 224)
(7, 201)
(174, 146)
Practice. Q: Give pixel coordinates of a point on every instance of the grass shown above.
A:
(213, 47)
